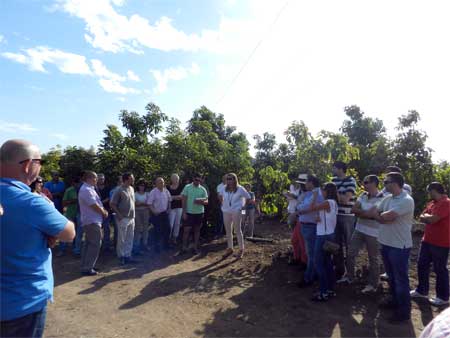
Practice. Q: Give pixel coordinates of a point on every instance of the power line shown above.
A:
(253, 52)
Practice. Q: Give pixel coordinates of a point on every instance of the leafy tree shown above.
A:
(442, 174)
(75, 160)
(51, 158)
(413, 156)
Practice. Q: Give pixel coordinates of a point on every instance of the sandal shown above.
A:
(228, 252)
(239, 254)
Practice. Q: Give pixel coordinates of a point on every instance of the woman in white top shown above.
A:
(325, 232)
(235, 197)
(141, 219)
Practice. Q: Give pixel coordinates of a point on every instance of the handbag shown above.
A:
(329, 246)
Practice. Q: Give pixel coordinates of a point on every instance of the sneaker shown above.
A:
(369, 289)
(436, 301)
(321, 297)
(384, 277)
(331, 294)
(344, 280)
(417, 294)
(91, 272)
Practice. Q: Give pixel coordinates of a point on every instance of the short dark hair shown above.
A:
(331, 191)
(372, 179)
(393, 169)
(396, 178)
(314, 180)
(340, 165)
(436, 186)
(126, 176)
(197, 175)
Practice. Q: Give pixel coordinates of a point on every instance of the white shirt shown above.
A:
(293, 201)
(328, 219)
(141, 198)
(220, 189)
(234, 201)
(159, 200)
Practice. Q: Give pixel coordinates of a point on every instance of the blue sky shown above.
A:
(69, 66)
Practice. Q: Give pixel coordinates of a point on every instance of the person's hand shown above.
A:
(51, 241)
(373, 212)
(104, 213)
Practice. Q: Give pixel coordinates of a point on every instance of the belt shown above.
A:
(308, 223)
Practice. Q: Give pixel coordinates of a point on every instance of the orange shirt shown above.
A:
(438, 233)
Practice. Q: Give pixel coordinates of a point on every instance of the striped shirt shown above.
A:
(344, 185)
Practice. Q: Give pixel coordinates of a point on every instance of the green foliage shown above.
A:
(75, 160)
(442, 174)
(274, 183)
(51, 158)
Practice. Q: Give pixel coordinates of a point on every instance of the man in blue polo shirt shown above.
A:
(56, 187)
(28, 226)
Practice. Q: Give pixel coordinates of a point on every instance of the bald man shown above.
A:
(28, 226)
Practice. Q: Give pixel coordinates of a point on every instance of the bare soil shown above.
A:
(208, 296)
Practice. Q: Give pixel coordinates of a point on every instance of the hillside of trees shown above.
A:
(156, 145)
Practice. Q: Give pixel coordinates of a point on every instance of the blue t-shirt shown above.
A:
(26, 280)
(56, 188)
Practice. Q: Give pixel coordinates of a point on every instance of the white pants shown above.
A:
(233, 220)
(125, 237)
(174, 221)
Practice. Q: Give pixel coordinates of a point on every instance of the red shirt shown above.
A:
(438, 233)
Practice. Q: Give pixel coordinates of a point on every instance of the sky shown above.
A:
(69, 66)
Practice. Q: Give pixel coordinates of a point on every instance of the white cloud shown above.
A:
(132, 76)
(11, 127)
(36, 58)
(110, 31)
(110, 81)
(61, 137)
(172, 74)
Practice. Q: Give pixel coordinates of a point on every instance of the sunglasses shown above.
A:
(230, 178)
(35, 160)
(40, 182)
(366, 182)
(387, 181)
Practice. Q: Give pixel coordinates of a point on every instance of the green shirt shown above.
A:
(71, 209)
(192, 192)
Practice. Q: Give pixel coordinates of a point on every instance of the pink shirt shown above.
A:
(159, 200)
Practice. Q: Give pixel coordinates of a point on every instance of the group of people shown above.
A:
(332, 225)
(94, 209)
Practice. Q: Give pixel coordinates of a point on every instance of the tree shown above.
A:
(413, 156)
(51, 159)
(75, 160)
(368, 136)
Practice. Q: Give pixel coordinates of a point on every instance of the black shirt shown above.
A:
(175, 192)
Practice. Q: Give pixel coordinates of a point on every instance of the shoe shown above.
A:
(344, 280)
(417, 294)
(239, 254)
(91, 272)
(331, 294)
(436, 301)
(195, 251)
(321, 297)
(180, 253)
(228, 252)
(398, 320)
(369, 289)
(123, 261)
(384, 277)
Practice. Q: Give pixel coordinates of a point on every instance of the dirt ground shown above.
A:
(207, 296)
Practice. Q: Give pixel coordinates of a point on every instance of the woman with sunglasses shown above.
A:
(366, 233)
(235, 197)
(37, 188)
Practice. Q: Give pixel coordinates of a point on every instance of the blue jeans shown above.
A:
(219, 225)
(309, 234)
(31, 325)
(324, 264)
(396, 264)
(438, 256)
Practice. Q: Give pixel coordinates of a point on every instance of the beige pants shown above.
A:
(125, 237)
(233, 220)
(142, 226)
